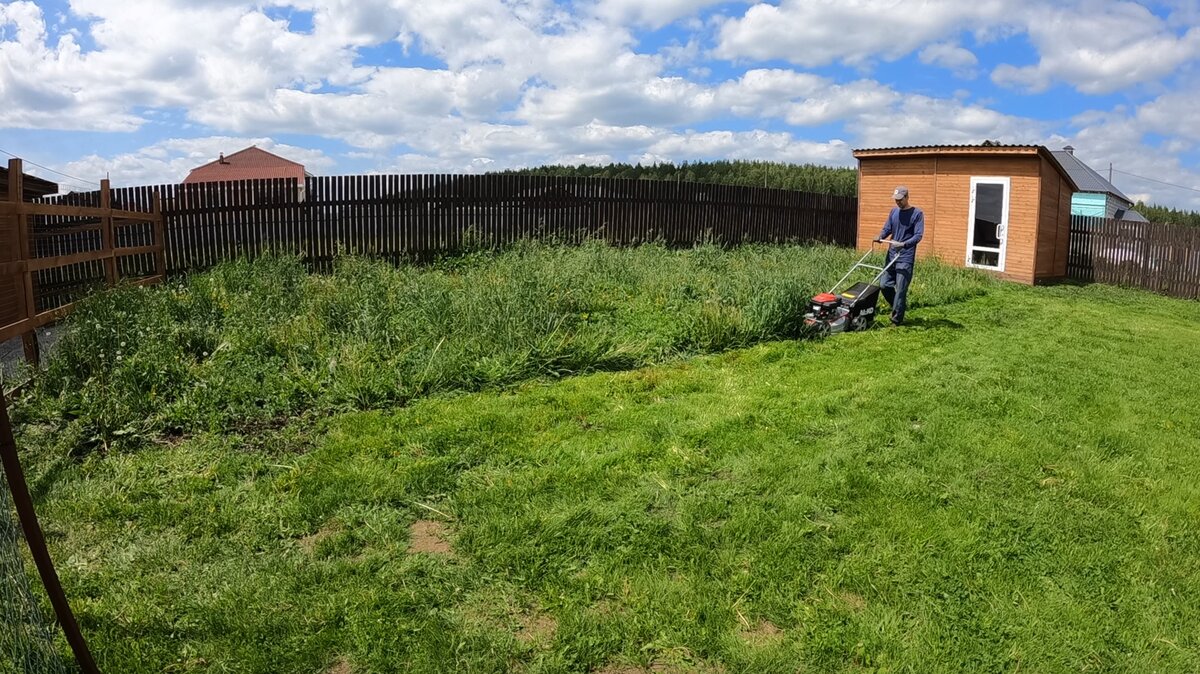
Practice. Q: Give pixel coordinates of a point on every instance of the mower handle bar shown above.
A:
(862, 263)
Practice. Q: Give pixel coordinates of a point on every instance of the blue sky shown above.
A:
(143, 91)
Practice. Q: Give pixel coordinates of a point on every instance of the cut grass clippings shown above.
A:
(1008, 483)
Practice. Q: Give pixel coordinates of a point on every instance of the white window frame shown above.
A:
(971, 247)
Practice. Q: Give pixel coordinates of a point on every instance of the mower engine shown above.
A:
(851, 310)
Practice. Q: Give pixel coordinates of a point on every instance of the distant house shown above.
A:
(1003, 208)
(254, 163)
(1096, 197)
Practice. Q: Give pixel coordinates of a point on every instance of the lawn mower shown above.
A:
(852, 309)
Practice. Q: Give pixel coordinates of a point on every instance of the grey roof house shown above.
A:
(1096, 197)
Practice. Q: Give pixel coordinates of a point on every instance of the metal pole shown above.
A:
(37, 543)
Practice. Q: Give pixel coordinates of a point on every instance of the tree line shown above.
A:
(800, 177)
(841, 181)
(1168, 216)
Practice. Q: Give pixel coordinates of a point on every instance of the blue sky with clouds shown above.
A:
(145, 90)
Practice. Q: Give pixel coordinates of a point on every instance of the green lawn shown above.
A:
(1011, 482)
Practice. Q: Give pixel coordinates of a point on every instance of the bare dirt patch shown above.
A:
(536, 627)
(620, 669)
(660, 667)
(765, 632)
(853, 601)
(340, 666)
(431, 537)
(310, 542)
(608, 607)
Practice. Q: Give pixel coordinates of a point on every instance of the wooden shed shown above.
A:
(1004, 208)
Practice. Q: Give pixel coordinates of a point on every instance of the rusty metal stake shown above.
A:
(37, 543)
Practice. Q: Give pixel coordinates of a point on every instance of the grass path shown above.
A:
(1010, 483)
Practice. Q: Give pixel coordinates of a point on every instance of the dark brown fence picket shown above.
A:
(419, 216)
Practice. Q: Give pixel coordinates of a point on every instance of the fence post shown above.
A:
(107, 244)
(26, 301)
(37, 543)
(160, 239)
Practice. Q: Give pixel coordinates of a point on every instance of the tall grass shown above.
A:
(257, 340)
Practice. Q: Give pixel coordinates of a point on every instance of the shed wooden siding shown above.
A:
(878, 178)
(1054, 240)
(941, 186)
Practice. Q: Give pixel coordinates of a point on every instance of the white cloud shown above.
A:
(1097, 46)
(465, 32)
(819, 32)
(657, 101)
(841, 102)
(948, 55)
(652, 13)
(768, 92)
(921, 120)
(749, 145)
(1172, 114)
(1110, 46)
(147, 56)
(36, 81)
(169, 161)
(391, 106)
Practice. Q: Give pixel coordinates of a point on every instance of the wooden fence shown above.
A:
(1158, 257)
(417, 216)
(52, 252)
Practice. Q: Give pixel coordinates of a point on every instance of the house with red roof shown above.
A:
(253, 163)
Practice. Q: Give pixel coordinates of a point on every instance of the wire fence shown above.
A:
(27, 635)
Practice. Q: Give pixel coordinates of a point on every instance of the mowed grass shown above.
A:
(1009, 483)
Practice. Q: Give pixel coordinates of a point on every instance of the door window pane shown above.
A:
(989, 211)
(985, 258)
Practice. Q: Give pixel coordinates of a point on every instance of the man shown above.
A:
(906, 225)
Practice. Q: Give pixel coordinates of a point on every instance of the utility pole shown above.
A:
(1109, 173)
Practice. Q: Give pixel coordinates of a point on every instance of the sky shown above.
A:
(142, 91)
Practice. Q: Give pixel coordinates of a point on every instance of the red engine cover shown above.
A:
(825, 298)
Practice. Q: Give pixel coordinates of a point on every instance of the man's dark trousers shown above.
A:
(895, 290)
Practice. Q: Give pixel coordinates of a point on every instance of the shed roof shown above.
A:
(983, 149)
(1129, 215)
(977, 148)
(251, 163)
(1086, 178)
(32, 186)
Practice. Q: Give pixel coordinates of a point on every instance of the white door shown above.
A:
(987, 228)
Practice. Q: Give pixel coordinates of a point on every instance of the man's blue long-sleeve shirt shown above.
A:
(907, 227)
